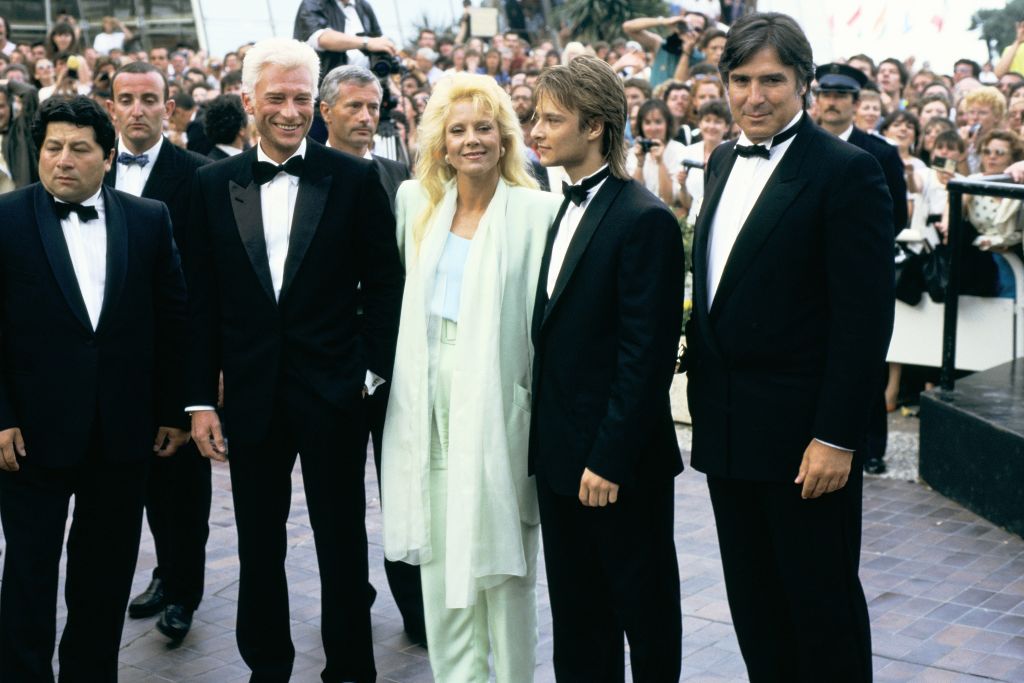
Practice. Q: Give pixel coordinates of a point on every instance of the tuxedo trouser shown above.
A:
(102, 548)
(403, 579)
(878, 422)
(612, 571)
(504, 617)
(330, 444)
(791, 575)
(178, 511)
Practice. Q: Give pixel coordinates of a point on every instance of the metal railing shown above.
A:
(988, 186)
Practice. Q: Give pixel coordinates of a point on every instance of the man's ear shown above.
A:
(595, 129)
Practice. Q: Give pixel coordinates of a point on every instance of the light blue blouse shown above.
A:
(448, 278)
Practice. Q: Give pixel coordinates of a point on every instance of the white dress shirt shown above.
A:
(845, 135)
(131, 178)
(566, 230)
(353, 26)
(87, 246)
(746, 181)
(228, 149)
(277, 201)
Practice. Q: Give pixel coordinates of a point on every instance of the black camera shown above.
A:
(646, 144)
(383, 65)
(690, 163)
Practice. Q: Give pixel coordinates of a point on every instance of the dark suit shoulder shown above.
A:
(392, 166)
(135, 205)
(24, 195)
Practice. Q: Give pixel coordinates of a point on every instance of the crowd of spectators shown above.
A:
(964, 123)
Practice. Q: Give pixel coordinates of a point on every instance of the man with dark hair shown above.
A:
(225, 124)
(965, 68)
(93, 304)
(231, 83)
(780, 395)
(892, 79)
(864, 64)
(158, 58)
(602, 442)
(177, 495)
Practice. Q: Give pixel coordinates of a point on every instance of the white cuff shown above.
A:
(372, 382)
(832, 445)
(314, 40)
(196, 409)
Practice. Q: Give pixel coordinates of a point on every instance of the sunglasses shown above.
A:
(985, 151)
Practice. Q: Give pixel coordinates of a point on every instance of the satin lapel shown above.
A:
(592, 218)
(541, 301)
(701, 240)
(309, 209)
(779, 192)
(117, 255)
(245, 204)
(56, 248)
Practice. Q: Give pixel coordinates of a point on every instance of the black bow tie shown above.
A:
(85, 213)
(263, 172)
(578, 193)
(761, 150)
(129, 159)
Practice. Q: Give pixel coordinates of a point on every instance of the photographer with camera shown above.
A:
(341, 31)
(655, 156)
(674, 55)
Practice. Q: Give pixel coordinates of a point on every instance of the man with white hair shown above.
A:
(279, 238)
(426, 64)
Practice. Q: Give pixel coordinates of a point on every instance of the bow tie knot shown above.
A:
(263, 172)
(762, 150)
(128, 159)
(578, 193)
(85, 213)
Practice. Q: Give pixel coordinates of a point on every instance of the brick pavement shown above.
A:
(946, 593)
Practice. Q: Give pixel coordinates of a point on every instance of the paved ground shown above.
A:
(946, 592)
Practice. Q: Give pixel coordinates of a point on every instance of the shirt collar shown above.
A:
(152, 152)
(95, 200)
(845, 135)
(262, 156)
(744, 140)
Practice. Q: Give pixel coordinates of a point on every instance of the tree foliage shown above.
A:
(998, 26)
(592, 20)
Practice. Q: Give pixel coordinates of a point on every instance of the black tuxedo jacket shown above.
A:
(342, 234)
(800, 324)
(392, 174)
(605, 345)
(888, 158)
(169, 182)
(61, 381)
(314, 15)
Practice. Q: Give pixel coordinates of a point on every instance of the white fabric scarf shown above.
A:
(483, 534)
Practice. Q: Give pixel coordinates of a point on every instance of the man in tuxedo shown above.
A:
(838, 92)
(350, 98)
(92, 308)
(602, 443)
(178, 491)
(793, 309)
(278, 240)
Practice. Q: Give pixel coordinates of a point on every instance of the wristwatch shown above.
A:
(366, 43)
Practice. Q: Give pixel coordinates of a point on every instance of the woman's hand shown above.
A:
(657, 150)
(681, 175)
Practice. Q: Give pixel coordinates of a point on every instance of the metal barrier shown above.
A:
(990, 186)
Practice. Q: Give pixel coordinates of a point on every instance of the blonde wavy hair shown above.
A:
(488, 98)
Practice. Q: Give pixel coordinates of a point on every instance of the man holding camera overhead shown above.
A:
(673, 53)
(341, 31)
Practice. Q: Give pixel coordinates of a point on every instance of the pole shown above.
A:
(48, 14)
(952, 298)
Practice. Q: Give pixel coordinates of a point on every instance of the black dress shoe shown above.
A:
(148, 602)
(175, 622)
(874, 466)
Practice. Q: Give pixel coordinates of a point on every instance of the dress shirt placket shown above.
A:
(278, 227)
